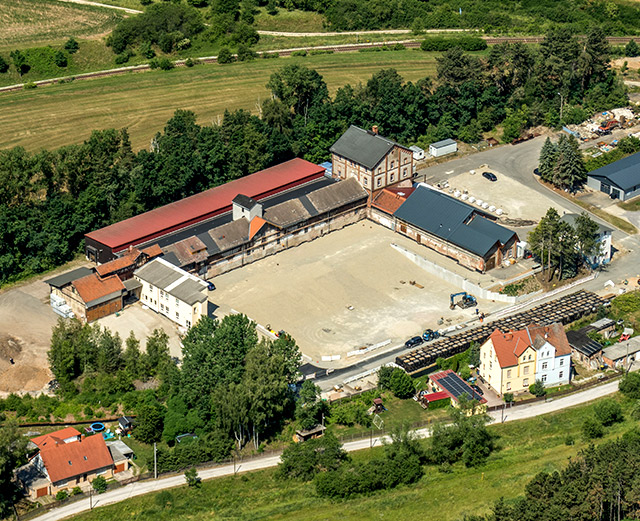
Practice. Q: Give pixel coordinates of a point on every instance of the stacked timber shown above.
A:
(564, 310)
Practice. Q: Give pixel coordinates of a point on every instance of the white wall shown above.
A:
(549, 366)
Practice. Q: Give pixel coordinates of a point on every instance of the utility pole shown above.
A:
(155, 462)
(90, 498)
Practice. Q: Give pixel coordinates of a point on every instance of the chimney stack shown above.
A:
(374, 129)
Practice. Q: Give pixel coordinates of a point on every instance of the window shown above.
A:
(393, 177)
(379, 182)
(161, 306)
(188, 324)
(177, 315)
(392, 163)
(526, 370)
(544, 378)
(560, 374)
(366, 182)
(529, 357)
(485, 354)
(490, 365)
(544, 365)
(85, 458)
(561, 362)
(177, 302)
(404, 172)
(508, 386)
(525, 382)
(508, 373)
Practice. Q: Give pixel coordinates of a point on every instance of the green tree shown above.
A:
(298, 87)
(543, 240)
(192, 478)
(608, 412)
(302, 461)
(157, 349)
(131, 356)
(109, 352)
(548, 158)
(632, 49)
(20, 62)
(384, 377)
(149, 423)
(402, 385)
(592, 428)
(586, 231)
(13, 447)
(630, 385)
(537, 388)
(71, 45)
(4, 66)
(99, 484)
(455, 67)
(60, 59)
(569, 170)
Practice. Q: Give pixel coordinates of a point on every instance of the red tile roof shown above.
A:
(93, 287)
(66, 460)
(454, 386)
(255, 226)
(126, 261)
(52, 437)
(389, 201)
(509, 346)
(153, 251)
(207, 204)
(438, 395)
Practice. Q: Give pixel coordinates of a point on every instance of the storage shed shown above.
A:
(442, 148)
(418, 153)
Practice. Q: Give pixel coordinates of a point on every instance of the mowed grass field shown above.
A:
(52, 116)
(525, 449)
(27, 23)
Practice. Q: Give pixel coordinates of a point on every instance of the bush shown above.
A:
(225, 56)
(62, 495)
(508, 397)
(245, 54)
(569, 440)
(4, 65)
(267, 55)
(190, 63)
(592, 429)
(537, 389)
(630, 385)
(61, 59)
(302, 461)
(146, 50)
(384, 377)
(192, 478)
(71, 45)
(75, 491)
(402, 384)
(632, 49)
(608, 412)
(161, 63)
(123, 57)
(299, 53)
(99, 484)
(27, 86)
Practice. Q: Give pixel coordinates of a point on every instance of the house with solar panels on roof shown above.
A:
(448, 383)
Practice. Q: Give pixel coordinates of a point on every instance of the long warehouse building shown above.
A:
(102, 245)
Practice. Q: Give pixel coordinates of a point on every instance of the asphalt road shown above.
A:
(144, 487)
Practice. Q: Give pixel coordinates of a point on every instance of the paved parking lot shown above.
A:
(343, 291)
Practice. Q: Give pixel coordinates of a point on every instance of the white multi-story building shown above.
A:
(172, 292)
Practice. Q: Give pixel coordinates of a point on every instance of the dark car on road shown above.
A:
(211, 286)
(413, 342)
(489, 176)
(477, 389)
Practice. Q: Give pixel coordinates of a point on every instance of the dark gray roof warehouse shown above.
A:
(620, 179)
(453, 221)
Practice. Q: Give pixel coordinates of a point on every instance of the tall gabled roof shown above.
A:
(363, 147)
(55, 437)
(67, 278)
(452, 220)
(624, 173)
(509, 346)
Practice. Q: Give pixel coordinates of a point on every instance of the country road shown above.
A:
(98, 4)
(145, 487)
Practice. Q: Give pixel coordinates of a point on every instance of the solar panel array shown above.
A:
(457, 387)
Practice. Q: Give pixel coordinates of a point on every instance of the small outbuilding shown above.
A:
(309, 434)
(442, 148)
(623, 353)
(418, 153)
(584, 350)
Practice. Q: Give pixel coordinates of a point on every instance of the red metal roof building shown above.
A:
(102, 245)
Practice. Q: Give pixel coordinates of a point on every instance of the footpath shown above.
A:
(144, 487)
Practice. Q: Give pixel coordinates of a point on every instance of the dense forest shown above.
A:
(53, 197)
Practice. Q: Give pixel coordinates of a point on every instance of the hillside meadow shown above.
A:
(526, 448)
(62, 114)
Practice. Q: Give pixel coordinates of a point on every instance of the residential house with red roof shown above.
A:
(511, 361)
(65, 459)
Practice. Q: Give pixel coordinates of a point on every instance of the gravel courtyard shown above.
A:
(341, 292)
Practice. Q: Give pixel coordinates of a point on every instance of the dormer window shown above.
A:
(69, 462)
(85, 458)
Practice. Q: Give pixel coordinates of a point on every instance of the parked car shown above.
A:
(478, 390)
(429, 335)
(413, 342)
(489, 176)
(210, 286)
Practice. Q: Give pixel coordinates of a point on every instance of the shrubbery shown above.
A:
(302, 461)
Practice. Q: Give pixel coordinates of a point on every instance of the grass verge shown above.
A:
(294, 21)
(618, 222)
(632, 205)
(63, 114)
(527, 447)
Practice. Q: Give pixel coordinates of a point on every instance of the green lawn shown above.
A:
(52, 116)
(622, 224)
(289, 21)
(28, 23)
(526, 448)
